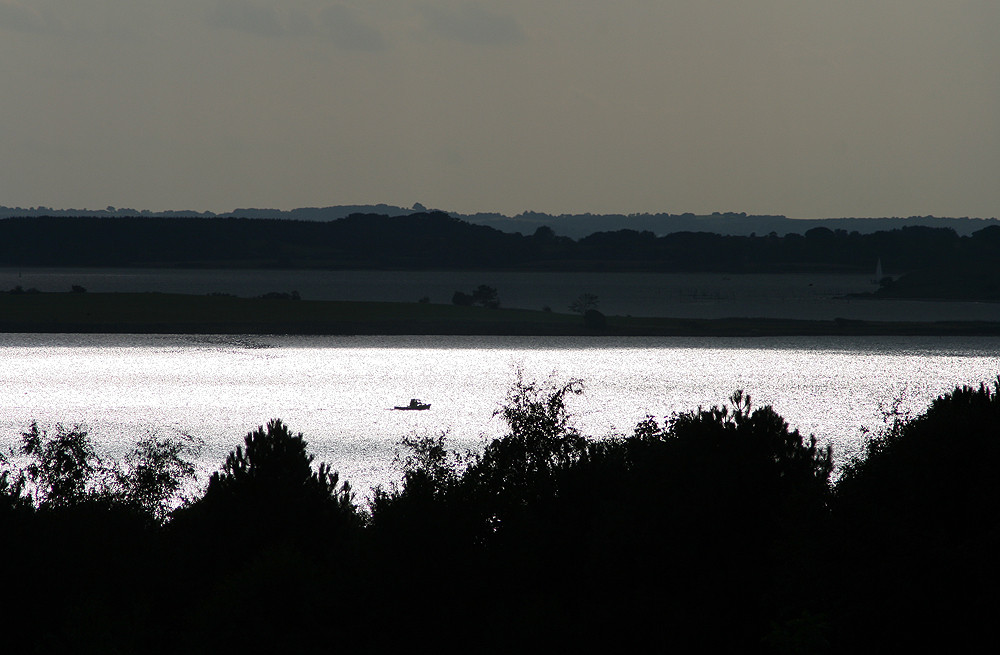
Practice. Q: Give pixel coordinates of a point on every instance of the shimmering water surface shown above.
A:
(339, 391)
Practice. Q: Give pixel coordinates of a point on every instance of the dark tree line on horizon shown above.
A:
(716, 530)
(571, 225)
(944, 264)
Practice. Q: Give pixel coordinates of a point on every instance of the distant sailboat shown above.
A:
(878, 272)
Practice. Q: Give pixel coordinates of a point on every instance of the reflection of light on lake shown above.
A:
(338, 391)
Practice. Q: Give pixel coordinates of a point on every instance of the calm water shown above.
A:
(339, 390)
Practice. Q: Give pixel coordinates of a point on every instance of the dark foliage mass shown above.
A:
(484, 295)
(714, 530)
(436, 240)
(917, 520)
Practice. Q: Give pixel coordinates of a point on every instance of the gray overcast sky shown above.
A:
(808, 108)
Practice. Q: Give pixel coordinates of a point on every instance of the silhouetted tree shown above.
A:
(511, 472)
(583, 302)
(64, 471)
(13, 496)
(420, 513)
(486, 296)
(918, 529)
(283, 532)
(540, 434)
(428, 458)
(711, 530)
(154, 473)
(273, 473)
(85, 535)
(62, 468)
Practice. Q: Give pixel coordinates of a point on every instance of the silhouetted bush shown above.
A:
(713, 530)
(919, 527)
(281, 295)
(462, 299)
(698, 519)
(86, 536)
(594, 319)
(670, 526)
(482, 295)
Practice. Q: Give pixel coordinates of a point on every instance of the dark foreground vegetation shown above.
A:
(716, 530)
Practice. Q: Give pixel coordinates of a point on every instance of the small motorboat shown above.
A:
(415, 403)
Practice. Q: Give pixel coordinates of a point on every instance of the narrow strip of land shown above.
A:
(191, 314)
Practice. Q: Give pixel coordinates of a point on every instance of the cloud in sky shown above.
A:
(257, 18)
(347, 30)
(466, 22)
(784, 106)
(336, 22)
(472, 24)
(24, 17)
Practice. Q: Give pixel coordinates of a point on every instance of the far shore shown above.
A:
(161, 313)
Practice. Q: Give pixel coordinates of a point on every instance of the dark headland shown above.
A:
(921, 261)
(161, 313)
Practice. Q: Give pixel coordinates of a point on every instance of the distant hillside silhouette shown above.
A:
(302, 213)
(729, 223)
(571, 225)
(436, 240)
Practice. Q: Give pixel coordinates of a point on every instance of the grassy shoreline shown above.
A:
(163, 313)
